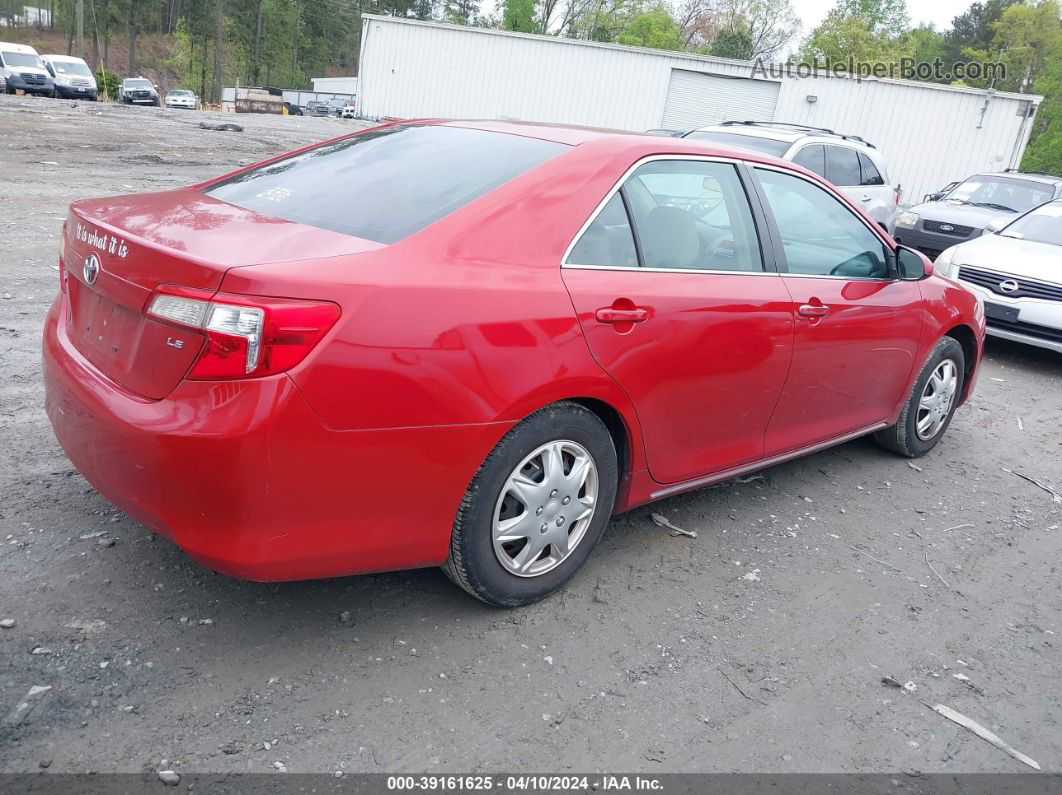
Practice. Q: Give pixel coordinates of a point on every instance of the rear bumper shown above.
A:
(246, 479)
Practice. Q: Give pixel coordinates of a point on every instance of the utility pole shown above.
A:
(79, 11)
(217, 50)
(295, 45)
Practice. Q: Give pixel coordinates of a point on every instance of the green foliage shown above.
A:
(107, 82)
(654, 28)
(842, 36)
(519, 15)
(881, 16)
(733, 43)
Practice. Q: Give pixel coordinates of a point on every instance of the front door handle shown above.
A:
(611, 314)
(813, 310)
(865, 198)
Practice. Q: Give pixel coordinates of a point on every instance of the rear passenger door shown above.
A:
(679, 304)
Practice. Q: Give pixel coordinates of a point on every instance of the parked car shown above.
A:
(291, 109)
(298, 376)
(315, 108)
(138, 91)
(960, 214)
(350, 110)
(182, 99)
(1016, 269)
(72, 76)
(335, 107)
(849, 162)
(23, 70)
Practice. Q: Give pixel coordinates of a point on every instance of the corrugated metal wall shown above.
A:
(929, 135)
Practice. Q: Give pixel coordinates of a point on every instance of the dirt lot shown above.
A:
(758, 646)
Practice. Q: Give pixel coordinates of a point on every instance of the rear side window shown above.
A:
(813, 158)
(608, 240)
(385, 185)
(871, 175)
(842, 166)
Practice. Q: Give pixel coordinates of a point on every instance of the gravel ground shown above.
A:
(760, 645)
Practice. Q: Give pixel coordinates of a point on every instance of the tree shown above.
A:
(461, 12)
(732, 44)
(882, 16)
(974, 29)
(653, 28)
(841, 37)
(519, 15)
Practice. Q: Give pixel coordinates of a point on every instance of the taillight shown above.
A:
(246, 336)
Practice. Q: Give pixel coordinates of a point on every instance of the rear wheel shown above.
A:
(536, 508)
(931, 405)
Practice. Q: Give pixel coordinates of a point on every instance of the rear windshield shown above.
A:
(769, 146)
(387, 184)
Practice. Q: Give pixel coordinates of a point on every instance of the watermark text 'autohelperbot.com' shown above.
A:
(901, 69)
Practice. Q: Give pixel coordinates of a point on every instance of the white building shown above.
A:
(930, 134)
(335, 85)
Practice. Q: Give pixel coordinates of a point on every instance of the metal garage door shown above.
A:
(695, 99)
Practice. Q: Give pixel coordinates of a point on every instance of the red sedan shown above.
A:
(469, 344)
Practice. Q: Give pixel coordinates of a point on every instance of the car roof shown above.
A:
(64, 58)
(1047, 179)
(782, 131)
(619, 141)
(25, 49)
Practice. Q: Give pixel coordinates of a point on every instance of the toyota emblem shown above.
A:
(1009, 286)
(91, 270)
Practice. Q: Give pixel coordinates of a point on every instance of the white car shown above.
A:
(1015, 268)
(73, 77)
(182, 98)
(849, 162)
(23, 70)
(350, 111)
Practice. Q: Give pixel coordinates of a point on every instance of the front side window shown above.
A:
(842, 166)
(820, 236)
(386, 184)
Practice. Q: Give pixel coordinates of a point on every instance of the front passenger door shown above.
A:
(857, 326)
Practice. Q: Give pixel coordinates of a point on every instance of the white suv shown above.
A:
(849, 162)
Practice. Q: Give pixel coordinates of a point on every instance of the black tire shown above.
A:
(902, 438)
(472, 563)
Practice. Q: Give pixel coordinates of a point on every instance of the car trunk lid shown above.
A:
(118, 250)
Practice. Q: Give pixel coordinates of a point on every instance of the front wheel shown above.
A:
(931, 405)
(536, 507)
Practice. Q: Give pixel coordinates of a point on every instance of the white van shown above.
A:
(23, 70)
(72, 76)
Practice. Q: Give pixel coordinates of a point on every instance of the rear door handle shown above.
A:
(611, 314)
(813, 310)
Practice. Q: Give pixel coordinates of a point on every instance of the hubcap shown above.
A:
(545, 508)
(937, 398)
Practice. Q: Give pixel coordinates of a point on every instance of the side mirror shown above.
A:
(934, 197)
(911, 266)
(997, 223)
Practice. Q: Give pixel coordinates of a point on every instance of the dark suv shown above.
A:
(138, 91)
(961, 211)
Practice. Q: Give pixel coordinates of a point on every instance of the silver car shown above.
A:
(1016, 270)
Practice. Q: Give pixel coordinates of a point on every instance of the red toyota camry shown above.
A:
(469, 344)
